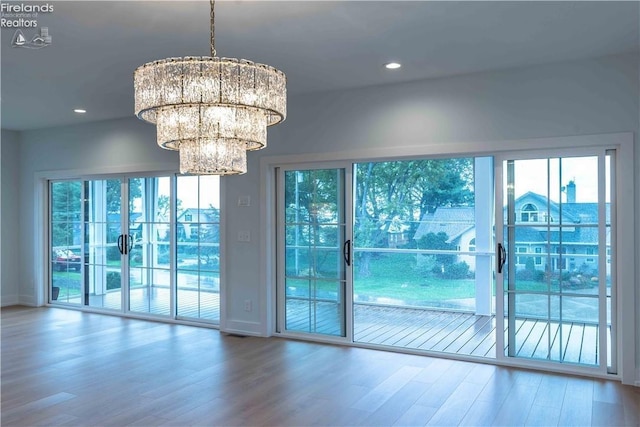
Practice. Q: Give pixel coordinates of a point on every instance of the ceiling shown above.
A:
(321, 46)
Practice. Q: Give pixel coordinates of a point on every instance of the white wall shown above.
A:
(575, 98)
(9, 277)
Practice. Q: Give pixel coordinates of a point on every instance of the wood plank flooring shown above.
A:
(65, 367)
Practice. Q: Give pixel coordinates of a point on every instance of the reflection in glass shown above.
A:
(314, 264)
(556, 246)
(198, 247)
(149, 225)
(66, 241)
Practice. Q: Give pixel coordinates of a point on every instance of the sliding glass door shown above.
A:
(66, 239)
(422, 255)
(198, 247)
(555, 258)
(419, 272)
(422, 272)
(102, 249)
(147, 245)
(315, 251)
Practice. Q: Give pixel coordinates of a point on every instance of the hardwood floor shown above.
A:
(63, 367)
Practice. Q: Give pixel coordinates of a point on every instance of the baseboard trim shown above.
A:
(27, 301)
(237, 327)
(10, 300)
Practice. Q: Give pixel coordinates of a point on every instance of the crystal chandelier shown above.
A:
(212, 110)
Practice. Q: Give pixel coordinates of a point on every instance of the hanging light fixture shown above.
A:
(212, 110)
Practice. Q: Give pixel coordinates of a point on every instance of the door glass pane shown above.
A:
(66, 242)
(609, 264)
(103, 260)
(198, 247)
(423, 254)
(553, 239)
(314, 265)
(149, 246)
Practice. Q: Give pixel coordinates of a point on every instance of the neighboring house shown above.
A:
(191, 218)
(459, 226)
(397, 233)
(573, 244)
(572, 232)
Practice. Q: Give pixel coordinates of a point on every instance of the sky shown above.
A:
(533, 175)
(194, 191)
(530, 175)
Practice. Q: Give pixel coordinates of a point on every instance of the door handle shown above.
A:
(346, 251)
(129, 243)
(502, 257)
(121, 244)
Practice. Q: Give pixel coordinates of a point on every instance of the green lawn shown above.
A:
(395, 277)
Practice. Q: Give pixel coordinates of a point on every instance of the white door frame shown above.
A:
(40, 271)
(601, 153)
(345, 192)
(623, 143)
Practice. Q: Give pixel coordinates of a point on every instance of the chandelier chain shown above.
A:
(213, 30)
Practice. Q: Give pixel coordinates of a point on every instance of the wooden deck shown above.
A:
(449, 332)
(156, 300)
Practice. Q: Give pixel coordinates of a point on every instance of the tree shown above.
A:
(438, 241)
(313, 215)
(66, 211)
(405, 191)
(114, 195)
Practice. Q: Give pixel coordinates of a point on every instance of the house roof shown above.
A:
(200, 215)
(585, 213)
(454, 221)
(451, 221)
(576, 213)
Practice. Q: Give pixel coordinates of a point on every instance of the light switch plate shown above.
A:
(244, 201)
(244, 236)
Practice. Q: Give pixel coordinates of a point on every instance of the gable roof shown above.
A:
(451, 221)
(575, 213)
(455, 221)
(200, 215)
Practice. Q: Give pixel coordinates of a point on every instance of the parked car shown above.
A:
(64, 259)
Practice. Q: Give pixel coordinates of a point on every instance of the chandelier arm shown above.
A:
(213, 30)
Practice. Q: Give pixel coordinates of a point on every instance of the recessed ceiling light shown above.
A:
(79, 111)
(392, 65)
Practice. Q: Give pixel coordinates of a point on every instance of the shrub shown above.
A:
(530, 275)
(425, 265)
(458, 270)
